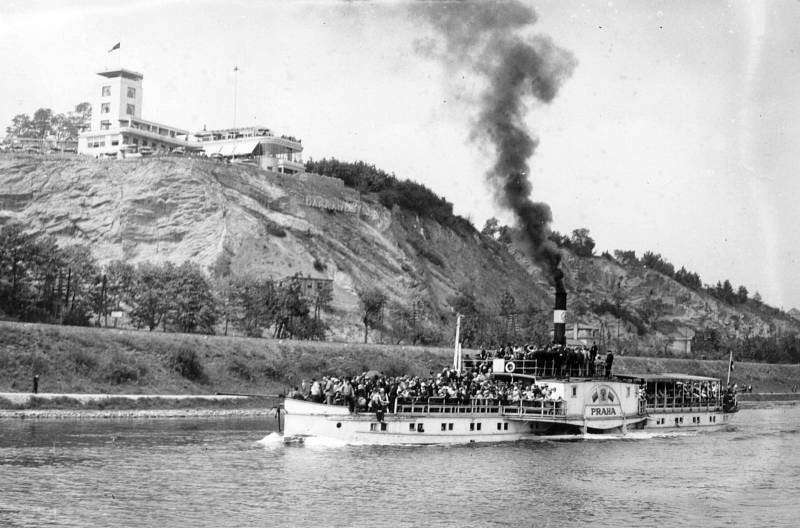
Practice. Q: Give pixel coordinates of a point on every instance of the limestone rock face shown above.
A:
(274, 225)
(268, 224)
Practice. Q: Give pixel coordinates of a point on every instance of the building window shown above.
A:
(420, 428)
(629, 392)
(130, 109)
(107, 91)
(105, 125)
(105, 108)
(114, 142)
(131, 92)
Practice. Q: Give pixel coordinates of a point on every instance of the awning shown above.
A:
(227, 149)
(245, 148)
(211, 149)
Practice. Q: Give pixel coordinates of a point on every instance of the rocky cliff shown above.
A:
(277, 225)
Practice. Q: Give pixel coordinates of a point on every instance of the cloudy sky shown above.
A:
(677, 131)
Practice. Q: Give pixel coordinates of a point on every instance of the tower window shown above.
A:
(131, 92)
(130, 109)
(105, 108)
(106, 91)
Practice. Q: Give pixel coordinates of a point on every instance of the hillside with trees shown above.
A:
(350, 253)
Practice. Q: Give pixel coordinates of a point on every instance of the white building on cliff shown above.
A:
(117, 124)
(117, 129)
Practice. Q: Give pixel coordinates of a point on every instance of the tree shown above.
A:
(81, 117)
(21, 126)
(371, 302)
(491, 227)
(151, 295)
(292, 308)
(16, 254)
(582, 243)
(741, 295)
(626, 257)
(120, 282)
(254, 304)
(81, 272)
(688, 279)
(43, 122)
(653, 309)
(655, 262)
(192, 303)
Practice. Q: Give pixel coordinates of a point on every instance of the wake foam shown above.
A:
(272, 440)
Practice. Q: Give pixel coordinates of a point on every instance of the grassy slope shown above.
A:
(70, 359)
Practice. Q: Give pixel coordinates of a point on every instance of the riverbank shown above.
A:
(77, 360)
(151, 407)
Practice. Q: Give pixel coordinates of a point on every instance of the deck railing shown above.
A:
(542, 368)
(682, 404)
(480, 406)
(542, 408)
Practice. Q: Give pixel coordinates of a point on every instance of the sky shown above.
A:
(677, 131)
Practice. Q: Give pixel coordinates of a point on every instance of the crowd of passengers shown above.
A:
(555, 360)
(378, 393)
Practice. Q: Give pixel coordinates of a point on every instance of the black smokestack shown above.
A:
(560, 310)
(493, 40)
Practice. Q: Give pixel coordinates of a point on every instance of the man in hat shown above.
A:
(609, 362)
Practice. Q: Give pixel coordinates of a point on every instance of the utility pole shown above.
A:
(235, 87)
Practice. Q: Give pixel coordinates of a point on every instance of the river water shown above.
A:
(233, 473)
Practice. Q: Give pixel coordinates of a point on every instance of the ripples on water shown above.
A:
(212, 473)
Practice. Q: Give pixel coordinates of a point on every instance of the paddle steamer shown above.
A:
(581, 400)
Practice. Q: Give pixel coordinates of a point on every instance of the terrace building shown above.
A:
(257, 145)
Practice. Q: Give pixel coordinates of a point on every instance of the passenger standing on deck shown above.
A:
(592, 357)
(316, 391)
(329, 392)
(609, 362)
(379, 402)
(348, 393)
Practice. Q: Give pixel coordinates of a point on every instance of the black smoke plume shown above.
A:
(493, 40)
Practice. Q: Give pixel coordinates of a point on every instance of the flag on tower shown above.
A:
(114, 47)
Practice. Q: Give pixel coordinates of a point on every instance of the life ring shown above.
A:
(510, 367)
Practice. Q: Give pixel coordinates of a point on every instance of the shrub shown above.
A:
(186, 363)
(275, 230)
(240, 369)
(120, 373)
(83, 360)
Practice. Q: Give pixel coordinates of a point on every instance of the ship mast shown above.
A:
(457, 347)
